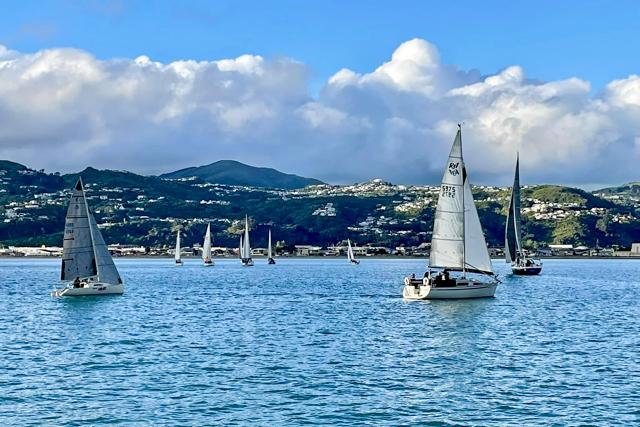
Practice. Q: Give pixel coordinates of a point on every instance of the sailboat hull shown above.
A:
(90, 289)
(208, 263)
(247, 262)
(526, 271)
(419, 289)
(271, 261)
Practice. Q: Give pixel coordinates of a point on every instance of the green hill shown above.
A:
(231, 172)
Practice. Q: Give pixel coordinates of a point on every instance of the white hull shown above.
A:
(208, 264)
(463, 289)
(89, 289)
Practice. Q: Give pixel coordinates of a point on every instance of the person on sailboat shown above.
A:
(76, 283)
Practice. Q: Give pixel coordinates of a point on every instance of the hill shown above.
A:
(231, 172)
(144, 210)
(631, 188)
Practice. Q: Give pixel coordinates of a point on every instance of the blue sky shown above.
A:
(595, 40)
(343, 91)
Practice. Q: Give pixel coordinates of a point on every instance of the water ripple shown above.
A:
(319, 342)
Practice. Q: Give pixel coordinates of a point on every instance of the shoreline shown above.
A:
(316, 257)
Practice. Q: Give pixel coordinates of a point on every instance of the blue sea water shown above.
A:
(318, 341)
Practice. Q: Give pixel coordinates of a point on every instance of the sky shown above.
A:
(341, 91)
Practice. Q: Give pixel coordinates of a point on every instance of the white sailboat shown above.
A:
(352, 259)
(245, 246)
(270, 259)
(86, 261)
(458, 242)
(513, 252)
(178, 254)
(206, 248)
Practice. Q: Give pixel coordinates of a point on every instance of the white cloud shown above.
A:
(63, 109)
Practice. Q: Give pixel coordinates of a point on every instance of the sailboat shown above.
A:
(270, 259)
(178, 257)
(245, 246)
(352, 259)
(206, 248)
(458, 242)
(86, 261)
(513, 252)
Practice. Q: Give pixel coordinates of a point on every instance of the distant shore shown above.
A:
(319, 257)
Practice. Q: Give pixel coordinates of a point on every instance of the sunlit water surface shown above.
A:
(319, 342)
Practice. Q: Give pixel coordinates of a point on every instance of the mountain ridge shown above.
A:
(233, 172)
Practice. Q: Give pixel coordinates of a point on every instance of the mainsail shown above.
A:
(458, 241)
(206, 248)
(246, 246)
(178, 249)
(512, 236)
(269, 254)
(350, 251)
(84, 252)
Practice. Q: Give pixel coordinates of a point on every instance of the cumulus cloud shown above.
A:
(63, 109)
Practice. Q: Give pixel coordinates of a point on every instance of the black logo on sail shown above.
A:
(453, 168)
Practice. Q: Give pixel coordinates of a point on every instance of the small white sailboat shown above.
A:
(270, 259)
(206, 248)
(178, 254)
(245, 246)
(521, 264)
(86, 261)
(458, 242)
(352, 259)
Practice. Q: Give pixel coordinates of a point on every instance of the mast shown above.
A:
(464, 178)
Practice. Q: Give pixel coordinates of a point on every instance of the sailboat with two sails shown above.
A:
(245, 246)
(350, 256)
(270, 259)
(457, 243)
(521, 264)
(206, 248)
(178, 254)
(86, 262)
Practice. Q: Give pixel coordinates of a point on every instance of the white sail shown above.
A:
(241, 248)
(246, 252)
(84, 252)
(457, 242)
(107, 271)
(178, 249)
(206, 247)
(512, 236)
(350, 251)
(269, 254)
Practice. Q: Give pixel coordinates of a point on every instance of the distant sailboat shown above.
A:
(270, 259)
(178, 255)
(206, 248)
(352, 259)
(245, 246)
(86, 261)
(458, 242)
(513, 252)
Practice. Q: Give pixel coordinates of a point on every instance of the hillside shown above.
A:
(143, 210)
(231, 172)
(631, 188)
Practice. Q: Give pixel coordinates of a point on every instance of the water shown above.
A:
(319, 342)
